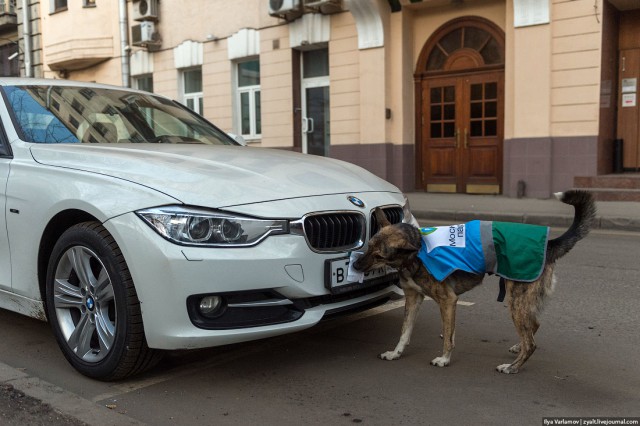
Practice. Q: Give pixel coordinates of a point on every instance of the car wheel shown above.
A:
(93, 307)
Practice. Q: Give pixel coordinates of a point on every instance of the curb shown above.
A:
(64, 401)
(601, 222)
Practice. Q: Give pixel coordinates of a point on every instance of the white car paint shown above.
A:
(218, 177)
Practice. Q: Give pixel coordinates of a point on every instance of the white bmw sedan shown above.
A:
(135, 226)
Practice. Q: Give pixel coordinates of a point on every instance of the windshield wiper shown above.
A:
(173, 139)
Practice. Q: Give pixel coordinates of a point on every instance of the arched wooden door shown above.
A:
(460, 108)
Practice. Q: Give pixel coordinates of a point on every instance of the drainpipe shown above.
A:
(124, 43)
(26, 37)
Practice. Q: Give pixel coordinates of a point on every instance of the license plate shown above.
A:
(336, 275)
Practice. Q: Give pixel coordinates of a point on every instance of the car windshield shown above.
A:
(67, 114)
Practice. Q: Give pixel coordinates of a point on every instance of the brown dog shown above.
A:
(397, 246)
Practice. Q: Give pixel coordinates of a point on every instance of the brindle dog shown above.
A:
(397, 246)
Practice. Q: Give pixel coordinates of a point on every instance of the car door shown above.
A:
(5, 255)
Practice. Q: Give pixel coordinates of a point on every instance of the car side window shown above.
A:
(5, 149)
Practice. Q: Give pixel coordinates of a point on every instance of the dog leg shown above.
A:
(412, 303)
(515, 349)
(448, 314)
(526, 324)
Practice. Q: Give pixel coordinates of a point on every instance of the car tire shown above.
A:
(93, 307)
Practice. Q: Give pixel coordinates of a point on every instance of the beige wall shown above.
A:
(276, 88)
(400, 90)
(165, 75)
(216, 83)
(82, 33)
(344, 72)
(195, 19)
(576, 43)
(97, 29)
(528, 81)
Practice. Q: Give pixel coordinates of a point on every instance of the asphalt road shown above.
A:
(587, 362)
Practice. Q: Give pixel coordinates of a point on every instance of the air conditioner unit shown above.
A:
(323, 6)
(144, 34)
(145, 10)
(287, 9)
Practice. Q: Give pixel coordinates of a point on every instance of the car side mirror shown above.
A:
(238, 138)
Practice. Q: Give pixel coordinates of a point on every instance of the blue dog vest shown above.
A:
(513, 251)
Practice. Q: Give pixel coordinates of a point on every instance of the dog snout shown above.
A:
(362, 264)
(357, 265)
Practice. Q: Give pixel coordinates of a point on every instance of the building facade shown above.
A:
(9, 50)
(468, 96)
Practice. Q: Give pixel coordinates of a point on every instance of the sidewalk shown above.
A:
(458, 208)
(29, 400)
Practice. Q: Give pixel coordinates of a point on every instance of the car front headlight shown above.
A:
(201, 227)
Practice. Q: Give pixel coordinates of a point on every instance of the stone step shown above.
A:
(608, 181)
(614, 194)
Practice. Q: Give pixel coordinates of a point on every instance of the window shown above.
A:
(466, 38)
(315, 102)
(192, 89)
(143, 82)
(57, 5)
(8, 6)
(89, 3)
(315, 63)
(248, 99)
(9, 60)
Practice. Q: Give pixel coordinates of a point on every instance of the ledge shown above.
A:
(78, 53)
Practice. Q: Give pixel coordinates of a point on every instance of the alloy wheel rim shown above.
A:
(85, 304)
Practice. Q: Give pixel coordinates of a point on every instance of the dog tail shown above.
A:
(585, 215)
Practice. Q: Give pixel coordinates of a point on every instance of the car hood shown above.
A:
(215, 176)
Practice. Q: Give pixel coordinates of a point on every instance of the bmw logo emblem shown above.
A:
(356, 201)
(90, 303)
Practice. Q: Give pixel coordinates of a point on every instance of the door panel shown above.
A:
(315, 123)
(440, 135)
(315, 126)
(462, 133)
(629, 111)
(482, 153)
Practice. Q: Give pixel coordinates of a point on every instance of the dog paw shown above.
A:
(390, 355)
(515, 349)
(440, 361)
(506, 369)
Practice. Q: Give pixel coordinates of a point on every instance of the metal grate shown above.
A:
(334, 231)
(393, 214)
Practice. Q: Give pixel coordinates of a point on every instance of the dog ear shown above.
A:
(381, 218)
(407, 247)
(400, 246)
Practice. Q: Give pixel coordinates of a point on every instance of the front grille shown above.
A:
(393, 214)
(334, 231)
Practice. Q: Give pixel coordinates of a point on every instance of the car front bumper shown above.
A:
(167, 275)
